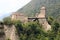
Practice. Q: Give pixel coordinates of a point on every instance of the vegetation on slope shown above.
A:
(34, 31)
(52, 7)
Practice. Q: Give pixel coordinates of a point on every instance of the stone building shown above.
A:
(42, 13)
(41, 17)
(19, 16)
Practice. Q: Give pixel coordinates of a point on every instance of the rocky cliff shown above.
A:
(10, 32)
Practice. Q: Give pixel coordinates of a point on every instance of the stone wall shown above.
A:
(45, 24)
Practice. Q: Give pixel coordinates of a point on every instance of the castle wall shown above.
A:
(44, 24)
(19, 16)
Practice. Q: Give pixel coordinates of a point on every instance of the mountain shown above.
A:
(33, 7)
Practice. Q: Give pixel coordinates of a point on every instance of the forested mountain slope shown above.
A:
(52, 7)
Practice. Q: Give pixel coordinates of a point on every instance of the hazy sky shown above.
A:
(7, 6)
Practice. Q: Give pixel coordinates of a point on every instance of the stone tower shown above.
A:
(42, 12)
(42, 19)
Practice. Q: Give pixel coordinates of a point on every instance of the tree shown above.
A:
(7, 21)
(50, 20)
(18, 26)
(55, 26)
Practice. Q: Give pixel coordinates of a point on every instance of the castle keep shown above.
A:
(42, 19)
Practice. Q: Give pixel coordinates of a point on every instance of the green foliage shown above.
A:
(55, 26)
(18, 26)
(50, 20)
(30, 31)
(8, 39)
(33, 7)
(7, 21)
(34, 31)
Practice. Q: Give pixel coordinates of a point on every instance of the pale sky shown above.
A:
(8, 6)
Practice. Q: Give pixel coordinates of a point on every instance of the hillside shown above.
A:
(52, 7)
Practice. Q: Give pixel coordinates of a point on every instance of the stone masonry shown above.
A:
(43, 20)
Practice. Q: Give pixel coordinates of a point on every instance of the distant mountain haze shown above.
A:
(33, 7)
(3, 15)
(8, 6)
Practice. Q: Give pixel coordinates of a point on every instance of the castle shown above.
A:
(19, 16)
(41, 17)
(9, 31)
(22, 17)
